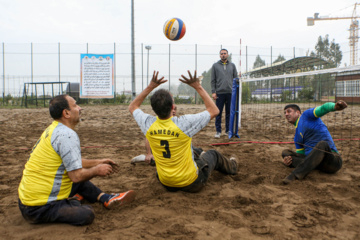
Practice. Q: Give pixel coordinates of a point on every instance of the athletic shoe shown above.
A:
(234, 166)
(140, 158)
(226, 133)
(77, 197)
(120, 199)
(217, 135)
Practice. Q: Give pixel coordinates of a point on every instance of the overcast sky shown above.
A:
(259, 24)
(280, 23)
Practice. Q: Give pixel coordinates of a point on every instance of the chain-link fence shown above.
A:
(60, 62)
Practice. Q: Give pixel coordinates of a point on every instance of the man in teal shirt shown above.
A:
(315, 148)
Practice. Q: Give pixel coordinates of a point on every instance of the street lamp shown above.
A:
(148, 48)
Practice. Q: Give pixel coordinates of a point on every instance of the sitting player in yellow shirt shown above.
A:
(179, 166)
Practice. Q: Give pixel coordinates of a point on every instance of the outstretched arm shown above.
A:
(195, 83)
(155, 82)
(329, 107)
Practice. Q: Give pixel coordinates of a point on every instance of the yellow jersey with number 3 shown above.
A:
(172, 152)
(170, 142)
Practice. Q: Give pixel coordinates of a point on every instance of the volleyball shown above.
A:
(174, 29)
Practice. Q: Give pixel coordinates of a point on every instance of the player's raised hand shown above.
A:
(340, 105)
(192, 81)
(155, 82)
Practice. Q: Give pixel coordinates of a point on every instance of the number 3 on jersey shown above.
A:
(167, 153)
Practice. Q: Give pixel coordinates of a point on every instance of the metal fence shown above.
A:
(60, 62)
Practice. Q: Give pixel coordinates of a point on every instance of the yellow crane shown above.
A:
(354, 31)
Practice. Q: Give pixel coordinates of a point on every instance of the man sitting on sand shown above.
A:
(315, 148)
(56, 178)
(179, 166)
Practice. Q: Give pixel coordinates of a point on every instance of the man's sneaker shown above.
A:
(226, 133)
(120, 199)
(140, 158)
(217, 135)
(234, 165)
(77, 197)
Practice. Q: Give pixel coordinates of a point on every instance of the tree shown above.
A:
(258, 62)
(184, 89)
(245, 93)
(206, 82)
(330, 52)
(280, 58)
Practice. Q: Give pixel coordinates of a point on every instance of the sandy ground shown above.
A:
(250, 205)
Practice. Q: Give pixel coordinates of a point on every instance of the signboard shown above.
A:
(97, 76)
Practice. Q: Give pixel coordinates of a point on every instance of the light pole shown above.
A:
(148, 48)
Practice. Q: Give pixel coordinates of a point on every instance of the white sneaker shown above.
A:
(226, 133)
(217, 135)
(140, 158)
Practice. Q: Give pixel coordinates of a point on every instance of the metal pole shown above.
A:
(294, 52)
(240, 92)
(196, 70)
(246, 60)
(147, 78)
(59, 65)
(114, 67)
(32, 69)
(3, 47)
(169, 65)
(133, 51)
(148, 48)
(142, 66)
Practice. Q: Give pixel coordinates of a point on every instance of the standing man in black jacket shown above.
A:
(222, 74)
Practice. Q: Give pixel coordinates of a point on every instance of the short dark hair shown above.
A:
(161, 102)
(293, 106)
(57, 106)
(223, 49)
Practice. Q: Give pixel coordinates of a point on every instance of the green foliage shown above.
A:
(184, 89)
(329, 51)
(10, 100)
(123, 98)
(258, 62)
(280, 58)
(306, 94)
(245, 93)
(206, 82)
(183, 99)
(286, 96)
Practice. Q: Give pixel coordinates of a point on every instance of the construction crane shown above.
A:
(354, 31)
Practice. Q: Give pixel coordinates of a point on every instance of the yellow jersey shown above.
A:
(170, 142)
(45, 177)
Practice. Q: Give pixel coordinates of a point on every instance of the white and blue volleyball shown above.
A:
(174, 29)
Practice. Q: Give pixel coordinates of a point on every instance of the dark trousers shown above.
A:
(65, 211)
(223, 99)
(320, 158)
(207, 162)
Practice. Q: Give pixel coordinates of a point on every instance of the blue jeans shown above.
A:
(67, 210)
(223, 99)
